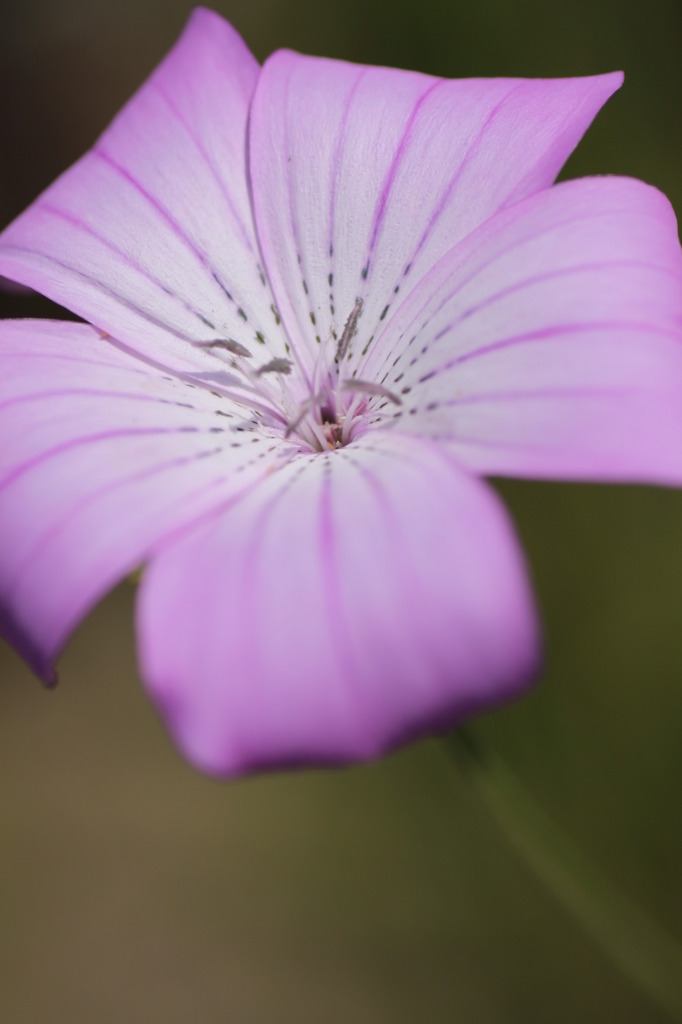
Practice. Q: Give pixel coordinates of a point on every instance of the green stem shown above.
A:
(648, 955)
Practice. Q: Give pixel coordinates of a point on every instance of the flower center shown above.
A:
(336, 404)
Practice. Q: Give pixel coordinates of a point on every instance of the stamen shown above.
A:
(303, 411)
(252, 382)
(349, 331)
(246, 396)
(369, 388)
(229, 344)
(275, 366)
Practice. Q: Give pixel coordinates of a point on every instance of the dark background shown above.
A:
(133, 891)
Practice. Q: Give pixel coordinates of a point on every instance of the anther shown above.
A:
(275, 366)
(369, 388)
(349, 331)
(229, 344)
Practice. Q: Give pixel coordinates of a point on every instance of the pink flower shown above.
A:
(325, 300)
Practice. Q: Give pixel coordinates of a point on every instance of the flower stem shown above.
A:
(649, 956)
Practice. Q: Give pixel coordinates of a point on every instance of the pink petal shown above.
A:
(364, 177)
(150, 236)
(550, 342)
(357, 599)
(100, 458)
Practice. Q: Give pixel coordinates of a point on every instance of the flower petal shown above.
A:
(550, 342)
(150, 235)
(357, 599)
(100, 458)
(364, 177)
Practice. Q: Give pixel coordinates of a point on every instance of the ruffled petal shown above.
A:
(150, 235)
(355, 600)
(550, 342)
(100, 458)
(364, 177)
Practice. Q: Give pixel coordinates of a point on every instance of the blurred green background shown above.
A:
(133, 891)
